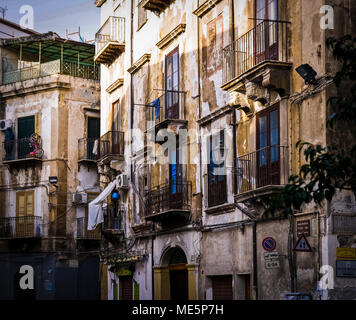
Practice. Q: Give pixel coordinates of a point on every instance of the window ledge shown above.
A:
(221, 209)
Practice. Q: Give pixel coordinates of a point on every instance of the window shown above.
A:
(141, 16)
(25, 224)
(215, 45)
(216, 171)
(25, 203)
(268, 157)
(172, 85)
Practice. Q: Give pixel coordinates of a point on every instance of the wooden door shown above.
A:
(217, 189)
(179, 284)
(172, 85)
(125, 286)
(266, 31)
(268, 151)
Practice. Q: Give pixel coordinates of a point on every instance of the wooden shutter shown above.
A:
(141, 16)
(30, 203)
(25, 203)
(20, 204)
(222, 287)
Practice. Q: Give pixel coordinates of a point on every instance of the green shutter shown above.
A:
(136, 291)
(25, 128)
(116, 296)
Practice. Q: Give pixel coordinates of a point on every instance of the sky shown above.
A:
(58, 15)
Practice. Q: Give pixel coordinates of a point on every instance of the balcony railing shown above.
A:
(111, 144)
(88, 149)
(21, 227)
(112, 219)
(84, 233)
(110, 39)
(174, 196)
(22, 149)
(264, 167)
(268, 41)
(169, 106)
(53, 67)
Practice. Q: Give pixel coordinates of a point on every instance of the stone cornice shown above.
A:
(205, 7)
(118, 83)
(30, 86)
(214, 115)
(171, 36)
(139, 63)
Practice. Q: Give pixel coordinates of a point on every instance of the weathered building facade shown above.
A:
(50, 117)
(211, 87)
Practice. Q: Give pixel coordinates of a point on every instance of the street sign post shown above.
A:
(269, 244)
(303, 227)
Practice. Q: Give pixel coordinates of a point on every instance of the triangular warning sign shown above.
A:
(302, 244)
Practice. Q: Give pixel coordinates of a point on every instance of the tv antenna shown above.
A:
(3, 11)
(74, 33)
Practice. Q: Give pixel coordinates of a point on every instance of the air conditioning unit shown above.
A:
(123, 181)
(79, 198)
(4, 124)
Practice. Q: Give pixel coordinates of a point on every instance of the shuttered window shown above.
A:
(222, 287)
(25, 203)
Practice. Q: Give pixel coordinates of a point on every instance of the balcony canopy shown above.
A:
(50, 46)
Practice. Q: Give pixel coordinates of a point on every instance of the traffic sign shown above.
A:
(302, 245)
(269, 244)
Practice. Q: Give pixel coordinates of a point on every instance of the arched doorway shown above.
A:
(178, 275)
(176, 261)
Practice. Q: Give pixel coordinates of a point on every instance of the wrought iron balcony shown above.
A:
(18, 150)
(111, 146)
(88, 150)
(84, 233)
(112, 219)
(263, 170)
(155, 5)
(21, 227)
(166, 201)
(80, 70)
(169, 107)
(267, 42)
(110, 40)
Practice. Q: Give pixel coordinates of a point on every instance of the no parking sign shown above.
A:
(269, 244)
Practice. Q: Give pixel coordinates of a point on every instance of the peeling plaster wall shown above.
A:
(61, 121)
(305, 121)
